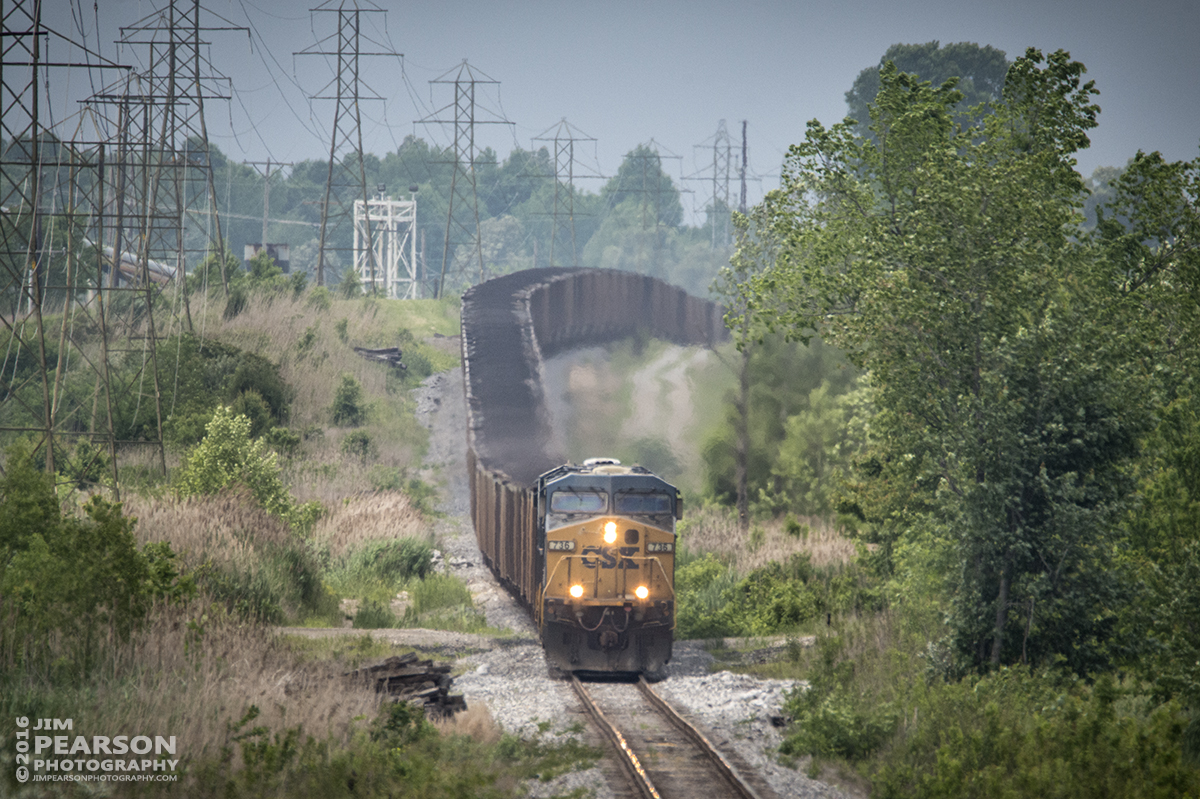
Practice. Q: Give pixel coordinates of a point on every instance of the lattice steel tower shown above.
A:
(562, 231)
(462, 216)
(346, 181)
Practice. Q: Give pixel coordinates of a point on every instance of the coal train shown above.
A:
(589, 549)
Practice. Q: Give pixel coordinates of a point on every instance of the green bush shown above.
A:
(71, 579)
(319, 298)
(228, 456)
(251, 405)
(236, 301)
(374, 616)
(778, 598)
(348, 408)
(701, 593)
(257, 375)
(442, 601)
(1019, 733)
(358, 444)
(830, 719)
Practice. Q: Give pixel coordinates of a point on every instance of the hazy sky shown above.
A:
(627, 72)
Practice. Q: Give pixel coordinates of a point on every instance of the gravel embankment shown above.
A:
(510, 675)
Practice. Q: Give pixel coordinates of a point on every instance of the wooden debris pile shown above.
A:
(409, 679)
(388, 355)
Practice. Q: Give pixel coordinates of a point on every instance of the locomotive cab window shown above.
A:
(641, 503)
(566, 506)
(578, 502)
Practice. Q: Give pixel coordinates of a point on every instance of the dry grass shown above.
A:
(371, 517)
(192, 671)
(227, 528)
(715, 530)
(328, 475)
(476, 722)
(276, 329)
(304, 340)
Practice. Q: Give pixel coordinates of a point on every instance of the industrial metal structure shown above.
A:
(385, 247)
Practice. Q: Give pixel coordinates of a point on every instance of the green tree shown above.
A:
(348, 408)
(938, 256)
(979, 71)
(641, 178)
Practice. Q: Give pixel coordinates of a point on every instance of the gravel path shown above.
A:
(509, 674)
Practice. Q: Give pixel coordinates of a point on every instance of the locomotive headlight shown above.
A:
(642, 592)
(610, 533)
(577, 591)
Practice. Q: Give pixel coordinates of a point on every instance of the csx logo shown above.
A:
(609, 557)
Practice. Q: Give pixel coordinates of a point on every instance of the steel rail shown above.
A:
(727, 770)
(628, 760)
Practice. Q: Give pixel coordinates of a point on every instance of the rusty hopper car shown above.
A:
(509, 325)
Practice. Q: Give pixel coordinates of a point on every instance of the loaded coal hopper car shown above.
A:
(588, 549)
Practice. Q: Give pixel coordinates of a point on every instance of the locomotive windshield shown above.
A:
(578, 502)
(643, 503)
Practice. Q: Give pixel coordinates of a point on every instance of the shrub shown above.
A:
(320, 299)
(258, 375)
(229, 456)
(381, 567)
(350, 285)
(348, 408)
(702, 589)
(282, 440)
(358, 444)
(251, 405)
(374, 616)
(68, 577)
(236, 301)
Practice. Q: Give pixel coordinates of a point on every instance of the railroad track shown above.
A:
(661, 753)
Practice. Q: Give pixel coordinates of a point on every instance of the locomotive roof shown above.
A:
(608, 475)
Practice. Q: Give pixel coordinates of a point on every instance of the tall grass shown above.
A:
(358, 520)
(715, 529)
(190, 672)
(303, 338)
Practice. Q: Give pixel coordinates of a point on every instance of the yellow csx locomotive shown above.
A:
(606, 537)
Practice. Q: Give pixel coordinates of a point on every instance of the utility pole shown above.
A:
(266, 173)
(346, 179)
(462, 215)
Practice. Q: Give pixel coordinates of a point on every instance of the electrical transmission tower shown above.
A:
(462, 216)
(346, 181)
(562, 231)
(718, 207)
(742, 171)
(94, 235)
(266, 173)
(179, 180)
(41, 230)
